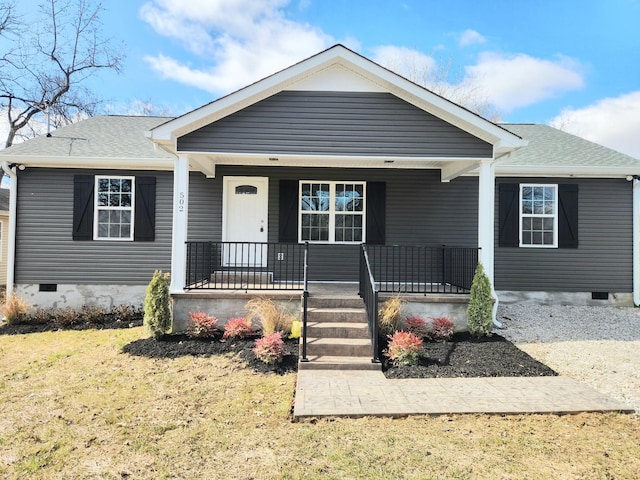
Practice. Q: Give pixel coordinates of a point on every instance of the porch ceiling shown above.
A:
(450, 167)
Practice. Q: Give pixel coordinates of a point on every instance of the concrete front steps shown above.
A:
(337, 334)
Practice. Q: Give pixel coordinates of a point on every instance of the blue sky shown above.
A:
(571, 63)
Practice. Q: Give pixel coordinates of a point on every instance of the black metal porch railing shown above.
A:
(369, 295)
(245, 265)
(421, 269)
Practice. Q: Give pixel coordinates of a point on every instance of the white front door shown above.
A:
(245, 219)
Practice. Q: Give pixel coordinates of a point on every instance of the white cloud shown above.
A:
(514, 81)
(612, 122)
(245, 40)
(470, 37)
(411, 64)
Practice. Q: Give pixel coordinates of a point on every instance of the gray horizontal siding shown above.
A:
(420, 211)
(335, 123)
(603, 260)
(46, 253)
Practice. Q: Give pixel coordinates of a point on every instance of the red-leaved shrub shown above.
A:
(416, 325)
(270, 348)
(404, 348)
(441, 329)
(201, 325)
(238, 327)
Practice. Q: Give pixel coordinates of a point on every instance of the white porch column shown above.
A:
(486, 223)
(636, 241)
(180, 218)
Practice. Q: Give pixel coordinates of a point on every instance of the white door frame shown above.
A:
(262, 182)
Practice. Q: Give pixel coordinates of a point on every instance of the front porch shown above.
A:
(223, 276)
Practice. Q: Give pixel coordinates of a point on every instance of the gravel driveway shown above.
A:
(599, 346)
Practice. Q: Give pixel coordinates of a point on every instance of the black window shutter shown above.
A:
(83, 187)
(376, 202)
(288, 212)
(508, 215)
(568, 216)
(145, 215)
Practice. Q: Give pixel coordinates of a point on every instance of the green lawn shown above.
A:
(74, 406)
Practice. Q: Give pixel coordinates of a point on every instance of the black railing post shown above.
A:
(305, 301)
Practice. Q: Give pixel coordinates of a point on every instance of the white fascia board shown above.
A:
(564, 171)
(118, 163)
(386, 79)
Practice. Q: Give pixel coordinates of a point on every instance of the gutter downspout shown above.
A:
(11, 247)
(636, 242)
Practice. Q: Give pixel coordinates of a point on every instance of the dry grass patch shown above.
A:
(74, 406)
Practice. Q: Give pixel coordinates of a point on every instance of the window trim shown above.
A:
(332, 211)
(97, 209)
(555, 215)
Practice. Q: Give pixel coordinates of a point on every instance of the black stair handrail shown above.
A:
(369, 294)
(305, 302)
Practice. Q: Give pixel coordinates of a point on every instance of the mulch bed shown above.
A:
(174, 346)
(466, 356)
(462, 356)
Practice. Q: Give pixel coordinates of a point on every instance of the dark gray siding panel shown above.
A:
(603, 259)
(46, 253)
(420, 211)
(335, 123)
(205, 208)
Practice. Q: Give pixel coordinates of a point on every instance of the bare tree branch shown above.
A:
(47, 64)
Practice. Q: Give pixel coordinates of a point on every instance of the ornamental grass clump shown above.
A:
(416, 325)
(390, 315)
(480, 310)
(15, 309)
(404, 348)
(238, 327)
(157, 311)
(441, 329)
(270, 348)
(201, 325)
(272, 317)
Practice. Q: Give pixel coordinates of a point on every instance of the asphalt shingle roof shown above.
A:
(103, 136)
(554, 148)
(108, 136)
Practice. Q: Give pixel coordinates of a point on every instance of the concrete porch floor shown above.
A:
(362, 393)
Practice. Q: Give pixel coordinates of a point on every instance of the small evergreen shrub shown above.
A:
(15, 309)
(416, 325)
(157, 312)
(201, 325)
(270, 348)
(441, 329)
(272, 317)
(390, 316)
(238, 327)
(404, 348)
(480, 309)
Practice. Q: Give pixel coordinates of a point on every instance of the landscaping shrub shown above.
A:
(441, 329)
(416, 325)
(201, 325)
(272, 317)
(270, 348)
(480, 310)
(15, 309)
(126, 313)
(404, 348)
(67, 317)
(390, 316)
(157, 313)
(238, 327)
(39, 316)
(93, 314)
